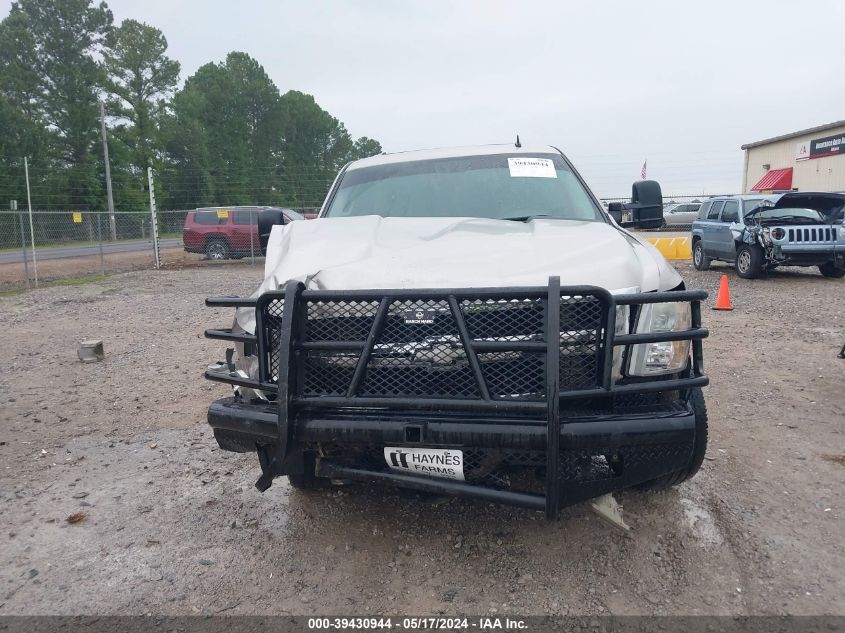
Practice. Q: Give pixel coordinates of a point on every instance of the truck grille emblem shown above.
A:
(419, 317)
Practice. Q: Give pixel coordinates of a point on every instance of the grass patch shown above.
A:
(79, 280)
(76, 281)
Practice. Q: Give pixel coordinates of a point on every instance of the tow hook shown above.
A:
(273, 464)
(267, 474)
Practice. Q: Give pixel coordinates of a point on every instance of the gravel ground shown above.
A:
(168, 523)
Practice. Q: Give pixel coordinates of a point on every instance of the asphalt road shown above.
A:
(16, 256)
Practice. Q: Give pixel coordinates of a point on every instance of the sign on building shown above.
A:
(817, 148)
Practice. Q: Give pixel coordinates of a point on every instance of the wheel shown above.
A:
(699, 259)
(217, 248)
(829, 269)
(698, 450)
(308, 479)
(749, 261)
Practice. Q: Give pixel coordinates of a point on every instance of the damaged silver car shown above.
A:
(758, 233)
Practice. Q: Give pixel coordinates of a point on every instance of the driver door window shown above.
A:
(715, 210)
(730, 213)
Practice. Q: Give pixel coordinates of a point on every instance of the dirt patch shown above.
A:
(172, 524)
(836, 459)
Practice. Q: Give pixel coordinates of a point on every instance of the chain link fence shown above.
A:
(63, 246)
(52, 245)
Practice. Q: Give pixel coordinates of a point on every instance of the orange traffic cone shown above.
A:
(723, 299)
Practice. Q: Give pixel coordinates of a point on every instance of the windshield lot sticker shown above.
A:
(531, 168)
(435, 462)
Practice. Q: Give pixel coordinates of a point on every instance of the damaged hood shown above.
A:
(829, 205)
(371, 252)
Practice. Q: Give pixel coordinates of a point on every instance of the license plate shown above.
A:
(446, 463)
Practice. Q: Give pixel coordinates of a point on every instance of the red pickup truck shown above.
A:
(227, 232)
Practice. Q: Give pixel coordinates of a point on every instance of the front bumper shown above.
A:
(809, 245)
(565, 413)
(597, 453)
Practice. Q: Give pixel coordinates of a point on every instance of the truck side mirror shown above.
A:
(267, 219)
(646, 205)
(645, 210)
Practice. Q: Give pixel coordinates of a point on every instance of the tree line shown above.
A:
(228, 136)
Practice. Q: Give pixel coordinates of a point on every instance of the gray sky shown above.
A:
(611, 83)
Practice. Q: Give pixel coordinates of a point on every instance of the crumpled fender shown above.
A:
(746, 235)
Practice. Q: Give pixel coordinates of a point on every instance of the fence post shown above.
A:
(23, 243)
(154, 224)
(100, 240)
(253, 222)
(31, 229)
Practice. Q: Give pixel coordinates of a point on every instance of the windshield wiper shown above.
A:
(527, 218)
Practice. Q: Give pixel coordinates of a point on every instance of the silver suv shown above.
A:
(680, 213)
(757, 232)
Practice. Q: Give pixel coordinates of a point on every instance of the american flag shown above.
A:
(643, 170)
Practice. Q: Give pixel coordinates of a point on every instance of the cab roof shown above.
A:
(452, 152)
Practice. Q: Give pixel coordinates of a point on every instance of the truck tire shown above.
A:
(829, 269)
(217, 248)
(699, 259)
(307, 480)
(749, 261)
(698, 450)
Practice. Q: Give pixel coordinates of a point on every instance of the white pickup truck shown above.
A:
(469, 322)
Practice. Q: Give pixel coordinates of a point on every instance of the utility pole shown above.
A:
(31, 231)
(112, 225)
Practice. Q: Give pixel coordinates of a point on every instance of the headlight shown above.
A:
(651, 359)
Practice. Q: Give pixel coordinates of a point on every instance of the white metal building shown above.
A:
(807, 160)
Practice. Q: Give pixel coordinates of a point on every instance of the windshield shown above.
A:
(801, 216)
(497, 186)
(751, 204)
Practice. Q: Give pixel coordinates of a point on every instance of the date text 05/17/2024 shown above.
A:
(485, 623)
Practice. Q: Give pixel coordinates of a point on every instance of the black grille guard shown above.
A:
(280, 351)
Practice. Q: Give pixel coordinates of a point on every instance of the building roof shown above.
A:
(452, 152)
(775, 179)
(785, 137)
